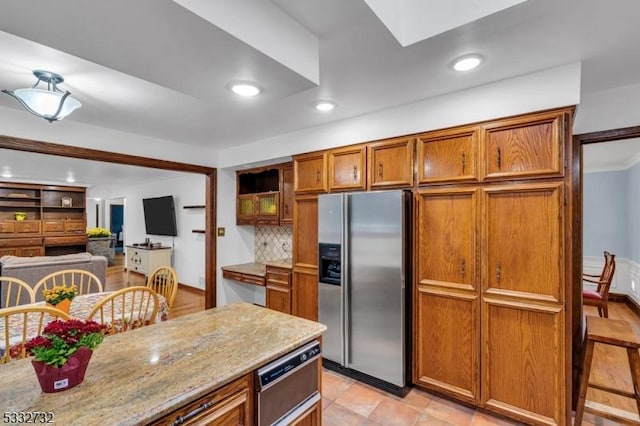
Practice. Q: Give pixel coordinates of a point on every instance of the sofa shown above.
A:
(32, 269)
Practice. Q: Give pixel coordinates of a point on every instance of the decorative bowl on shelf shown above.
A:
(20, 215)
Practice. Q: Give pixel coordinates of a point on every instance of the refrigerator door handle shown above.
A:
(346, 314)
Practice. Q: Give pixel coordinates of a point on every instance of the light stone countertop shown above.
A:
(138, 376)
(257, 268)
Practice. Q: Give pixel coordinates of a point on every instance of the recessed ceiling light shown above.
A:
(467, 62)
(70, 179)
(6, 172)
(244, 88)
(325, 106)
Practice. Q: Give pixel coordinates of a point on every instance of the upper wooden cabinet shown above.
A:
(310, 172)
(448, 155)
(286, 200)
(390, 163)
(261, 198)
(524, 147)
(347, 168)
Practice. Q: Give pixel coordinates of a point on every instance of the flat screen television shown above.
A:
(160, 216)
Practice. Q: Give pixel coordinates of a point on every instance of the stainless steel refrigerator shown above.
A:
(362, 270)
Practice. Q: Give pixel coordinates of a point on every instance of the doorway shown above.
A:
(116, 225)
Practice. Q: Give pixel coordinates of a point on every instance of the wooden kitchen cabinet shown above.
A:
(347, 168)
(259, 199)
(448, 156)
(390, 163)
(229, 405)
(447, 293)
(310, 172)
(525, 147)
(278, 289)
(311, 417)
(523, 315)
(286, 201)
(305, 257)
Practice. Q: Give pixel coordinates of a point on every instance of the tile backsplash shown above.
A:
(272, 242)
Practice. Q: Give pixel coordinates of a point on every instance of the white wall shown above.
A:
(235, 247)
(188, 252)
(544, 90)
(608, 109)
(14, 122)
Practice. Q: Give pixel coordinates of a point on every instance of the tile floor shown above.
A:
(346, 402)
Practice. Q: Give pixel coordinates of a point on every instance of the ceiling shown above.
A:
(156, 68)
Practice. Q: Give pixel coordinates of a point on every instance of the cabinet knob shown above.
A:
(380, 170)
(317, 176)
(286, 209)
(498, 157)
(463, 267)
(498, 272)
(463, 161)
(355, 173)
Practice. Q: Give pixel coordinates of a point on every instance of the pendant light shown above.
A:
(51, 103)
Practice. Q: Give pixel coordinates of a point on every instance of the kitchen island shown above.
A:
(143, 375)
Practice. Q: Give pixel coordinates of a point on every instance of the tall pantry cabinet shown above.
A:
(492, 239)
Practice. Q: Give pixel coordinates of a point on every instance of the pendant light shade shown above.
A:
(51, 103)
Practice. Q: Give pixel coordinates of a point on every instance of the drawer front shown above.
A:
(31, 251)
(6, 251)
(28, 227)
(232, 275)
(278, 277)
(53, 226)
(7, 227)
(74, 226)
(253, 279)
(65, 241)
(20, 242)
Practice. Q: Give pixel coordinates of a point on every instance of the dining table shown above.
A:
(81, 307)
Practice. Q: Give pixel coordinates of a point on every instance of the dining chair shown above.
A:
(18, 324)
(126, 309)
(600, 296)
(85, 282)
(164, 281)
(16, 292)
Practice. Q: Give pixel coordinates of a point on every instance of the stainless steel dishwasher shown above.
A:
(288, 386)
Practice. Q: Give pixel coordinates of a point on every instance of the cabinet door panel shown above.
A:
(305, 294)
(28, 227)
(447, 342)
(390, 163)
(286, 204)
(305, 232)
(524, 147)
(523, 360)
(278, 298)
(524, 241)
(310, 172)
(9, 251)
(245, 211)
(447, 238)
(448, 156)
(347, 168)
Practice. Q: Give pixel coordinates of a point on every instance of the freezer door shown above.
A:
(331, 293)
(375, 289)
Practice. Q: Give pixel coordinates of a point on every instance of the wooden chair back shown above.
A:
(603, 283)
(164, 281)
(21, 323)
(85, 282)
(16, 292)
(126, 309)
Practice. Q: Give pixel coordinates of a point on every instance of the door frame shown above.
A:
(576, 195)
(210, 174)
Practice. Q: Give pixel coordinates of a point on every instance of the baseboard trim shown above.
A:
(195, 290)
(617, 297)
(633, 305)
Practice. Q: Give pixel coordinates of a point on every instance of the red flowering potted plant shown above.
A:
(62, 353)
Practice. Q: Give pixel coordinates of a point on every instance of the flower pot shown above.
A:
(56, 379)
(64, 305)
(20, 216)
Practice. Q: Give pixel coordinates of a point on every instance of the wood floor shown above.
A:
(187, 301)
(610, 365)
